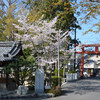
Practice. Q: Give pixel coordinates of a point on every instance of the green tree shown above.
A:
(52, 8)
(7, 18)
(2, 28)
(2, 20)
(10, 19)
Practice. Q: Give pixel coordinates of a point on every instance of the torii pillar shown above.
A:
(87, 52)
(82, 62)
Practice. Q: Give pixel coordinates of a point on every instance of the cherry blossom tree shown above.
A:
(45, 40)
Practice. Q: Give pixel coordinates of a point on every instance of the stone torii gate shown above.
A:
(87, 52)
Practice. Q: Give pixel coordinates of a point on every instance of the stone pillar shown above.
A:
(39, 81)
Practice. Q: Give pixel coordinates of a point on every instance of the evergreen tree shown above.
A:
(2, 28)
(7, 18)
(52, 8)
(10, 19)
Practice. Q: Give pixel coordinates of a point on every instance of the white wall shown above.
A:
(92, 62)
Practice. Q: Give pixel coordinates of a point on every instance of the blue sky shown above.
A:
(89, 38)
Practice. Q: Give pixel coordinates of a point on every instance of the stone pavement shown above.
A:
(12, 95)
(86, 89)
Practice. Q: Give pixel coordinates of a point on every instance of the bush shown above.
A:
(56, 72)
(54, 80)
(69, 72)
(56, 91)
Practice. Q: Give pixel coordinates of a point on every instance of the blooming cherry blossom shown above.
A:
(40, 34)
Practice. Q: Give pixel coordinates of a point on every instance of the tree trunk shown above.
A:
(7, 80)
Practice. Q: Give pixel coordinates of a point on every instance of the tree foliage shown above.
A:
(43, 38)
(10, 19)
(7, 18)
(53, 8)
(2, 28)
(22, 68)
(90, 10)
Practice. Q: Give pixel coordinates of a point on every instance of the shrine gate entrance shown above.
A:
(96, 51)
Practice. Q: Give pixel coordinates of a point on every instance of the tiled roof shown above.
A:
(9, 49)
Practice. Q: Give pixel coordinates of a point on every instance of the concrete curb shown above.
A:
(42, 95)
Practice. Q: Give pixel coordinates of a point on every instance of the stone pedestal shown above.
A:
(22, 90)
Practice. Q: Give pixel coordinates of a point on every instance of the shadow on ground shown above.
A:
(82, 86)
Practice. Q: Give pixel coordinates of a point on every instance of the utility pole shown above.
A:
(74, 47)
(58, 59)
(75, 43)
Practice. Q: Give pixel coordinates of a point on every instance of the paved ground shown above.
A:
(86, 89)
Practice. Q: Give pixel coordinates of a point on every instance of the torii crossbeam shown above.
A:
(87, 52)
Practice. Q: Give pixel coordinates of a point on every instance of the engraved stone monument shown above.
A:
(39, 81)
